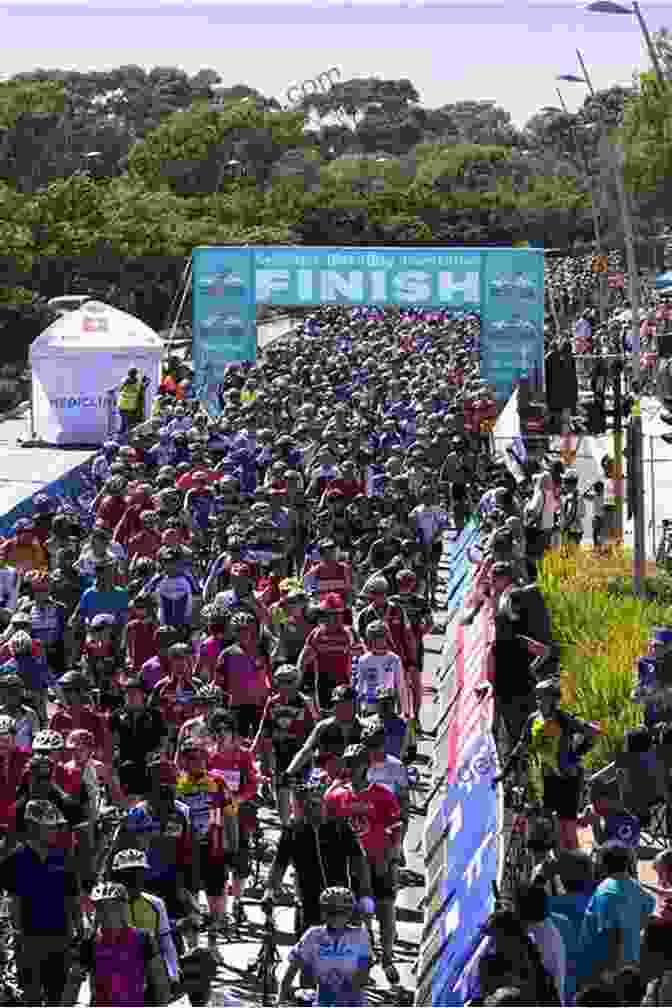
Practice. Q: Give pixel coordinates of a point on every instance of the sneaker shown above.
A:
(391, 972)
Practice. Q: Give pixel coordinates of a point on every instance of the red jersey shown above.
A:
(110, 510)
(144, 544)
(374, 815)
(330, 577)
(331, 649)
(238, 770)
(67, 719)
(140, 642)
(12, 767)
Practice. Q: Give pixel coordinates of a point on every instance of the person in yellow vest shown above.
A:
(131, 400)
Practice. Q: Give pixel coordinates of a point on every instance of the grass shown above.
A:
(601, 635)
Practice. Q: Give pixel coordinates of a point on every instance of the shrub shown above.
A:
(602, 629)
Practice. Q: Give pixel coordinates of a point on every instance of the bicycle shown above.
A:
(531, 839)
(264, 968)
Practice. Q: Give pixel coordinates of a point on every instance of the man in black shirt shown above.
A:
(137, 731)
(323, 853)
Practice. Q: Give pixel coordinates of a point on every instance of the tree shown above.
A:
(191, 149)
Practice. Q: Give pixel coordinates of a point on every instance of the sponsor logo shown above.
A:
(80, 402)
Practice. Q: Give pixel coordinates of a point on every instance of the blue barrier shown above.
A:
(464, 825)
(74, 490)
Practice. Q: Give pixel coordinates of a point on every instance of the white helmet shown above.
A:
(129, 859)
(109, 891)
(48, 741)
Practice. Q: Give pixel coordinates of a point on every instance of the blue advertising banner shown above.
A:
(224, 307)
(504, 286)
(512, 319)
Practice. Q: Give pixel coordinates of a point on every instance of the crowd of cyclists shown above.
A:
(237, 622)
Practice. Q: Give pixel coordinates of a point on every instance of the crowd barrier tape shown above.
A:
(462, 840)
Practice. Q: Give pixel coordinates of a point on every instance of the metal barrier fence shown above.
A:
(585, 458)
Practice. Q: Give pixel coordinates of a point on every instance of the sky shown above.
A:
(506, 52)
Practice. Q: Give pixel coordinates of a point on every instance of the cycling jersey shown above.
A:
(391, 772)
(371, 672)
(333, 958)
(118, 968)
(373, 813)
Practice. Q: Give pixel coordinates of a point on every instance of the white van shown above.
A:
(68, 302)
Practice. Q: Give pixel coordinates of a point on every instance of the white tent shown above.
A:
(76, 364)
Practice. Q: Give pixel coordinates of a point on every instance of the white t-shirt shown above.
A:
(373, 671)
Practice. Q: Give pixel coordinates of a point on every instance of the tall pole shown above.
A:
(603, 276)
(637, 477)
(649, 45)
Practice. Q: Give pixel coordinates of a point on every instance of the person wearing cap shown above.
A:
(175, 594)
(23, 551)
(327, 657)
(123, 962)
(375, 815)
(44, 886)
(243, 671)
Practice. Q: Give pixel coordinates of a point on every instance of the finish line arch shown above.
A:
(504, 285)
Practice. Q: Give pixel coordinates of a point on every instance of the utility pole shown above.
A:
(636, 431)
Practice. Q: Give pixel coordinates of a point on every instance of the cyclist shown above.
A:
(326, 659)
(375, 815)
(397, 729)
(288, 719)
(243, 672)
(160, 826)
(233, 767)
(124, 962)
(337, 955)
(388, 770)
(145, 911)
(378, 666)
(137, 731)
(43, 883)
(558, 740)
(322, 853)
(330, 736)
(208, 699)
(11, 705)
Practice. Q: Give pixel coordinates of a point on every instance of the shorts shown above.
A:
(383, 884)
(215, 871)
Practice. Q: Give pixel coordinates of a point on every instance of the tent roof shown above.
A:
(96, 326)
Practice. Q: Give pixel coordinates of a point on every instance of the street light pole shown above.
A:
(616, 158)
(653, 55)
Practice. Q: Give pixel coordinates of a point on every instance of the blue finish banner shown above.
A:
(512, 319)
(224, 307)
(504, 286)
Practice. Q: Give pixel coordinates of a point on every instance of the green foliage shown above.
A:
(602, 631)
